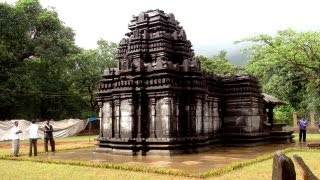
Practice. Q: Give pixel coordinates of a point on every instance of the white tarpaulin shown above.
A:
(62, 128)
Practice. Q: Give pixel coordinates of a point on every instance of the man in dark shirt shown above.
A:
(48, 136)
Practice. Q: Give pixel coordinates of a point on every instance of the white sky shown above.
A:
(214, 23)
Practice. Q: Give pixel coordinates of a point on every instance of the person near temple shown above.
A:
(33, 137)
(15, 136)
(303, 123)
(48, 136)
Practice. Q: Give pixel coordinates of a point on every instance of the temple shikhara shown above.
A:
(159, 100)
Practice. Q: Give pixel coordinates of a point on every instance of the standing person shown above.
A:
(303, 123)
(48, 136)
(33, 137)
(15, 131)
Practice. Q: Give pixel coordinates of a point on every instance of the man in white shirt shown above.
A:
(15, 131)
(33, 137)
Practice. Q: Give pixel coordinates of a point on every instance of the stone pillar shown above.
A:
(211, 115)
(177, 104)
(312, 121)
(166, 108)
(192, 119)
(270, 113)
(139, 119)
(206, 118)
(215, 116)
(173, 121)
(100, 118)
(295, 121)
(152, 127)
(131, 117)
(198, 117)
(117, 115)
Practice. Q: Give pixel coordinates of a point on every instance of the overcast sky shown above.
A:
(208, 23)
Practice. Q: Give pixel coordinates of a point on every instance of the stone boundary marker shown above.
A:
(283, 168)
(306, 172)
(312, 127)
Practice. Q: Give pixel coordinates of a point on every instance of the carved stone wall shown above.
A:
(243, 114)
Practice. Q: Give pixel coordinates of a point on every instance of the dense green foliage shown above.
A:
(87, 69)
(219, 64)
(288, 65)
(43, 74)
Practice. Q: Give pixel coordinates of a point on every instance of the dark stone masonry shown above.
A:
(159, 100)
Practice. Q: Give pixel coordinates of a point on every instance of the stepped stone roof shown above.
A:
(271, 99)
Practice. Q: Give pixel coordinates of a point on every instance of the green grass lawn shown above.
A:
(33, 170)
(312, 137)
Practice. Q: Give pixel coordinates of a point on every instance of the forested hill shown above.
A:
(234, 54)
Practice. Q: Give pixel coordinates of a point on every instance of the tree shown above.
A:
(34, 50)
(218, 64)
(88, 66)
(13, 45)
(288, 66)
(43, 74)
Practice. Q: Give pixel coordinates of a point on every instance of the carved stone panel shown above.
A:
(217, 124)
(199, 120)
(163, 116)
(206, 118)
(126, 118)
(107, 119)
(256, 123)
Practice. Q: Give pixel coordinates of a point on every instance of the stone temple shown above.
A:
(159, 100)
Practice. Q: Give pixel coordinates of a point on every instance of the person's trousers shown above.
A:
(302, 134)
(52, 144)
(15, 147)
(33, 143)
